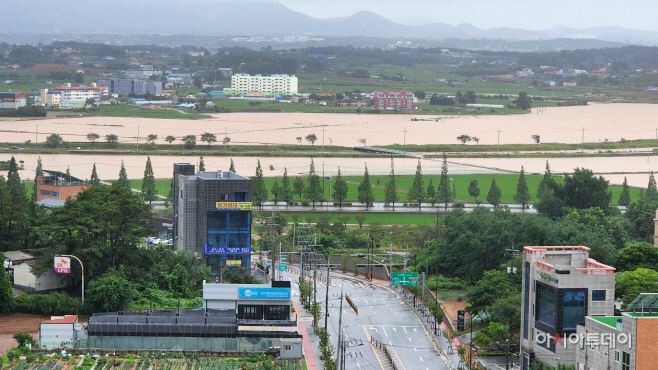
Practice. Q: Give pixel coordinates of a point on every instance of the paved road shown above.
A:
(382, 316)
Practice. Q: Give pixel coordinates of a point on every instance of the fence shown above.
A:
(382, 346)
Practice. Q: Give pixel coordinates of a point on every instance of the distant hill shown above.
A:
(241, 17)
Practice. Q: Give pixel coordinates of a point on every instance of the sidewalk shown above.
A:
(306, 340)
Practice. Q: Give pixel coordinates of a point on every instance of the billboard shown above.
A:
(62, 265)
(220, 250)
(460, 320)
(263, 293)
(405, 278)
(233, 262)
(233, 206)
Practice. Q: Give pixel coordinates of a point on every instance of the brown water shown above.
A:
(564, 125)
(108, 165)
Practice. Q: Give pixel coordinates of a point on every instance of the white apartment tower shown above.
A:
(273, 85)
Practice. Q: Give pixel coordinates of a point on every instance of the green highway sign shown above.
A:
(405, 278)
(283, 268)
(284, 258)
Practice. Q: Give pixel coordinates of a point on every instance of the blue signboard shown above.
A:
(263, 293)
(219, 250)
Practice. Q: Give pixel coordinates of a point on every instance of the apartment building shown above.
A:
(12, 100)
(76, 94)
(275, 84)
(393, 100)
(561, 287)
(125, 86)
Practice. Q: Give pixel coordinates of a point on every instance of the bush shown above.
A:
(458, 205)
(30, 357)
(23, 337)
(305, 203)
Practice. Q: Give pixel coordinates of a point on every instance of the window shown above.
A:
(574, 309)
(45, 192)
(598, 295)
(250, 312)
(56, 336)
(277, 312)
(223, 197)
(287, 347)
(616, 356)
(546, 304)
(240, 197)
(625, 361)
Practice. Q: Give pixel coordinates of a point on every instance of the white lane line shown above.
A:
(421, 359)
(357, 364)
(389, 342)
(405, 329)
(365, 300)
(409, 339)
(395, 330)
(385, 331)
(415, 349)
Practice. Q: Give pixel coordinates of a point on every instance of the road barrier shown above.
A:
(382, 346)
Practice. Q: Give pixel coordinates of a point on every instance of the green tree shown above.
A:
(582, 190)
(54, 140)
(170, 139)
(365, 194)
(432, 195)
(286, 191)
(313, 191)
(494, 195)
(522, 194)
(523, 101)
(548, 201)
(189, 141)
(6, 295)
(493, 285)
(507, 310)
(208, 137)
(416, 192)
(463, 138)
(149, 193)
(92, 136)
(391, 191)
(38, 173)
(652, 192)
(299, 187)
(276, 191)
(444, 192)
(258, 189)
(151, 138)
(112, 138)
(474, 190)
(637, 255)
(123, 181)
(23, 338)
(625, 195)
(202, 164)
(110, 291)
(340, 189)
(311, 138)
(360, 219)
(631, 283)
(232, 167)
(94, 181)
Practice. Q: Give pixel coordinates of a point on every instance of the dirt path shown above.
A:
(12, 323)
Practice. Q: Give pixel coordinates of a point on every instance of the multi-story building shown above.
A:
(274, 84)
(393, 100)
(125, 86)
(51, 97)
(561, 286)
(626, 342)
(58, 185)
(212, 216)
(143, 71)
(12, 100)
(71, 96)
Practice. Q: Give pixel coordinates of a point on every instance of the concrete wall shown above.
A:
(52, 335)
(24, 278)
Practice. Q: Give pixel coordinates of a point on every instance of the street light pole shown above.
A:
(83, 272)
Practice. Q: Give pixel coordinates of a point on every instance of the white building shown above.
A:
(23, 277)
(274, 84)
(75, 94)
(58, 332)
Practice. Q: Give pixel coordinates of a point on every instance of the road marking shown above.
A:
(385, 331)
(415, 331)
(409, 339)
(395, 330)
(415, 349)
(421, 359)
(357, 364)
(405, 329)
(365, 300)
(389, 342)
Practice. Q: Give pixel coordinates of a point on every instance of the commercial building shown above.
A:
(19, 268)
(125, 86)
(561, 286)
(393, 100)
(274, 84)
(12, 100)
(51, 97)
(250, 302)
(143, 71)
(58, 185)
(626, 342)
(212, 216)
(76, 96)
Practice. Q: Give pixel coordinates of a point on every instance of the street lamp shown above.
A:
(83, 272)
(452, 189)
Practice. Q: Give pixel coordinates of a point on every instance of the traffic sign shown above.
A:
(283, 268)
(405, 278)
(284, 258)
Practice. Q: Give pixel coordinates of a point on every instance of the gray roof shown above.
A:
(16, 256)
(50, 202)
(226, 175)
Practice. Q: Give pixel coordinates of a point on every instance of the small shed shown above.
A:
(291, 348)
(24, 278)
(58, 332)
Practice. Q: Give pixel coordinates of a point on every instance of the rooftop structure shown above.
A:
(58, 185)
(275, 84)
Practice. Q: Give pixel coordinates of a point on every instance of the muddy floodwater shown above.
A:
(108, 165)
(593, 123)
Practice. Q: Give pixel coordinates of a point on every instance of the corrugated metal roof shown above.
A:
(66, 320)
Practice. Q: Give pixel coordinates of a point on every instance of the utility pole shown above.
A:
(507, 355)
(405, 141)
(138, 136)
(470, 343)
(427, 264)
(340, 331)
(315, 294)
(390, 265)
(83, 272)
(498, 140)
(322, 139)
(582, 142)
(279, 263)
(36, 139)
(326, 298)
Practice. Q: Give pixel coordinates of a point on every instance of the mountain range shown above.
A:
(249, 18)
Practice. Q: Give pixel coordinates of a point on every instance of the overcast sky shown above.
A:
(526, 14)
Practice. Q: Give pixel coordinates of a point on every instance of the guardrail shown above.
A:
(349, 301)
(382, 346)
